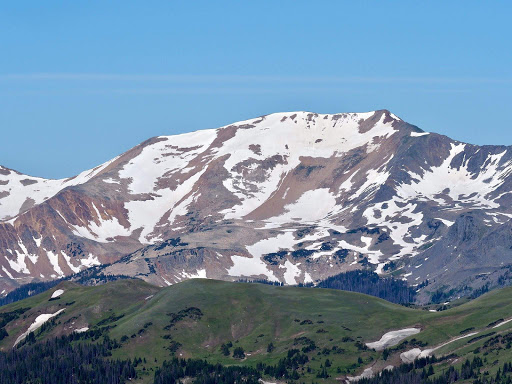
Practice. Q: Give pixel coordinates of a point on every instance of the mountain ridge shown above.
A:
(292, 197)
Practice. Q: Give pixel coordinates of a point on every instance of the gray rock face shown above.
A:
(292, 197)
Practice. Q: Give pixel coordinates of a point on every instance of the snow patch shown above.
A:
(200, 274)
(502, 323)
(70, 265)
(40, 320)
(90, 261)
(292, 272)
(448, 223)
(419, 134)
(392, 338)
(416, 353)
(367, 374)
(57, 293)
(54, 261)
(311, 206)
(246, 266)
(111, 181)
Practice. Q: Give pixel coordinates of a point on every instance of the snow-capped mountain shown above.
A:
(293, 197)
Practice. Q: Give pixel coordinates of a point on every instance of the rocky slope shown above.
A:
(293, 197)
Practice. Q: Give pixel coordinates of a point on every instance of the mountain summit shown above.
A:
(291, 197)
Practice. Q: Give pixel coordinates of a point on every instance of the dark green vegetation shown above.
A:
(28, 290)
(175, 370)
(368, 282)
(235, 332)
(362, 281)
(423, 371)
(7, 317)
(59, 361)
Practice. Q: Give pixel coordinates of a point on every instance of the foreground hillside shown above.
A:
(291, 197)
(323, 333)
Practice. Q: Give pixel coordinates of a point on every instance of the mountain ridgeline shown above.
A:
(293, 198)
(362, 281)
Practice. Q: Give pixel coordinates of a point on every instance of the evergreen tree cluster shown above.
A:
(362, 281)
(423, 371)
(59, 361)
(93, 276)
(7, 317)
(204, 373)
(368, 282)
(261, 281)
(287, 367)
(27, 290)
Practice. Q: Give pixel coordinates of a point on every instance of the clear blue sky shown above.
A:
(83, 81)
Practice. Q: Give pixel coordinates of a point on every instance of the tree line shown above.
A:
(362, 281)
(423, 371)
(59, 361)
(368, 282)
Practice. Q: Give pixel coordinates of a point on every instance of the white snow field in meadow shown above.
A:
(416, 353)
(57, 293)
(392, 338)
(40, 320)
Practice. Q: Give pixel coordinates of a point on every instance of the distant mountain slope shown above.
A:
(293, 197)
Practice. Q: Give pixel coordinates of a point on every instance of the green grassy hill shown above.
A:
(195, 318)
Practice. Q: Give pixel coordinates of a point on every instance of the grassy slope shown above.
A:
(252, 316)
(241, 313)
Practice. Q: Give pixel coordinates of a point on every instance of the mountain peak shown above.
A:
(291, 196)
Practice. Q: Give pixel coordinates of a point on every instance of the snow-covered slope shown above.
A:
(293, 197)
(19, 192)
